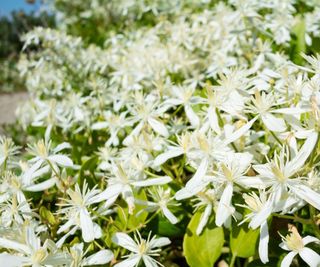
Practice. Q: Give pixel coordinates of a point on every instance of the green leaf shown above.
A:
(203, 250)
(47, 216)
(299, 31)
(243, 241)
(132, 221)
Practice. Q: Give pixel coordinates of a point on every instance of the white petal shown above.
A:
(41, 186)
(152, 181)
(223, 211)
(61, 160)
(130, 262)
(298, 161)
(262, 216)
(158, 127)
(273, 123)
(102, 257)
(125, 241)
(159, 242)
(8, 244)
(204, 219)
(286, 262)
(310, 257)
(128, 140)
(110, 192)
(213, 120)
(99, 125)
(12, 260)
(263, 242)
(191, 115)
(309, 239)
(149, 262)
(171, 153)
(238, 133)
(86, 225)
(307, 194)
(196, 183)
(169, 215)
(62, 146)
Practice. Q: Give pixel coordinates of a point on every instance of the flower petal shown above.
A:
(125, 241)
(310, 257)
(273, 123)
(152, 181)
(286, 262)
(158, 127)
(223, 211)
(132, 261)
(61, 160)
(263, 242)
(171, 153)
(86, 226)
(102, 257)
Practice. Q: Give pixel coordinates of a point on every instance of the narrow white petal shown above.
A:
(110, 192)
(129, 262)
(171, 153)
(298, 161)
(149, 262)
(159, 242)
(86, 225)
(102, 257)
(263, 242)
(62, 146)
(262, 216)
(310, 257)
(191, 115)
(128, 140)
(99, 125)
(152, 181)
(309, 239)
(158, 127)
(273, 123)
(125, 241)
(307, 194)
(213, 120)
(286, 262)
(41, 186)
(223, 211)
(238, 133)
(61, 160)
(200, 173)
(204, 219)
(169, 215)
(12, 260)
(8, 244)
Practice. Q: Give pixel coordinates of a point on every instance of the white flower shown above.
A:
(31, 252)
(79, 260)
(141, 249)
(123, 181)
(77, 213)
(297, 245)
(279, 175)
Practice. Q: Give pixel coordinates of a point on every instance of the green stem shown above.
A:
(294, 218)
(233, 259)
(315, 227)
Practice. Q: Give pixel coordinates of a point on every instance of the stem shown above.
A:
(233, 259)
(315, 227)
(294, 218)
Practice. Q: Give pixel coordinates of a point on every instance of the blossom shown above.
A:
(294, 243)
(140, 248)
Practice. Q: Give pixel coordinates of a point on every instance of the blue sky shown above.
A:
(6, 6)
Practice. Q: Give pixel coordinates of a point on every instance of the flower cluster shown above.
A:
(212, 114)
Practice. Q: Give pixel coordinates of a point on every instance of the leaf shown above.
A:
(47, 216)
(243, 241)
(299, 31)
(132, 221)
(203, 250)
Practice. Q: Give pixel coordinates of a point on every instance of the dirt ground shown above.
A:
(8, 105)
